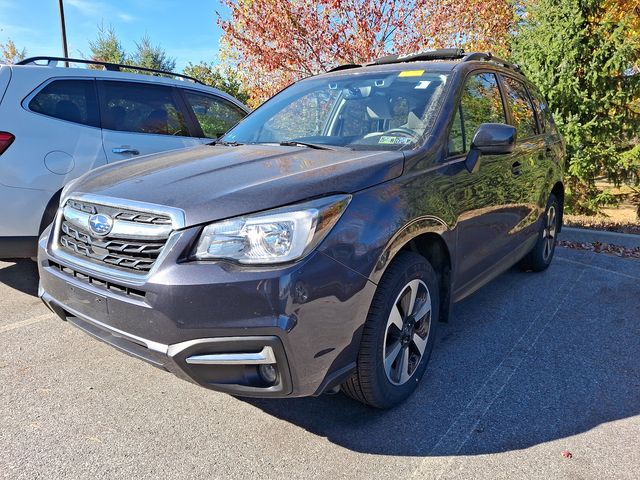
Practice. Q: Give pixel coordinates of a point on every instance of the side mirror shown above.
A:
(490, 139)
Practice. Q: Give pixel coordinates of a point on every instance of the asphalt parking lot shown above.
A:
(530, 366)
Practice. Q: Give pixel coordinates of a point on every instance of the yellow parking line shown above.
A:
(24, 323)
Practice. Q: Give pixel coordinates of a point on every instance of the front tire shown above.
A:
(539, 258)
(398, 334)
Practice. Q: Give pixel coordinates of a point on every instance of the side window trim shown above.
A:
(189, 116)
(101, 101)
(462, 128)
(27, 100)
(539, 129)
(506, 111)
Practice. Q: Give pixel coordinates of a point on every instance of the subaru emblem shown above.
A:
(100, 224)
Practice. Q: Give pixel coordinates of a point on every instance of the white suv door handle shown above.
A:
(123, 151)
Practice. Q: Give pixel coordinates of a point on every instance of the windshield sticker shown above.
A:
(423, 84)
(411, 73)
(387, 140)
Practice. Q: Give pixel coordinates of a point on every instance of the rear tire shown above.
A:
(398, 334)
(539, 258)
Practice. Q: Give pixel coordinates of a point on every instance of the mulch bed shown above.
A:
(601, 224)
(598, 247)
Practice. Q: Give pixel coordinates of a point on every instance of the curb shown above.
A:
(583, 235)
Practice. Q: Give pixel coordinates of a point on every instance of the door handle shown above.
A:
(124, 151)
(515, 168)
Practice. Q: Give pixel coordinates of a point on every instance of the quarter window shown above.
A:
(521, 109)
(481, 102)
(70, 100)
(214, 114)
(141, 108)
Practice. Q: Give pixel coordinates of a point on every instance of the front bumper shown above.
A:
(216, 323)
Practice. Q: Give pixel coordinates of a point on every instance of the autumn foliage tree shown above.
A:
(275, 42)
(9, 53)
(475, 25)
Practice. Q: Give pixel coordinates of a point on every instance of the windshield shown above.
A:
(388, 110)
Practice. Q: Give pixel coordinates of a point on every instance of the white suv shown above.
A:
(57, 123)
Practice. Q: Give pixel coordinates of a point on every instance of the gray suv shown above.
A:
(320, 241)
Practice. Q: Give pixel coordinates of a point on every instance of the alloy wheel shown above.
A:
(549, 233)
(407, 332)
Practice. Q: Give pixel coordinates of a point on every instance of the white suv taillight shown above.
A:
(6, 139)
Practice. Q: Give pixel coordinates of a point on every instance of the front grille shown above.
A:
(126, 247)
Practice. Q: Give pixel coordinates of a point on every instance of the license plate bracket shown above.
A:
(87, 302)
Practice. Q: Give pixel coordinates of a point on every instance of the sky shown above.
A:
(187, 29)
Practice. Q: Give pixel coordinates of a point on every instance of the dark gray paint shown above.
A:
(484, 220)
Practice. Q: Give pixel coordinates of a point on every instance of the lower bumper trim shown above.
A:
(264, 356)
(211, 362)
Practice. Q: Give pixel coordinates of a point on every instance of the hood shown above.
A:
(214, 182)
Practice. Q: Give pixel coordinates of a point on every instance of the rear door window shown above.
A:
(71, 100)
(521, 108)
(545, 119)
(481, 102)
(214, 114)
(141, 108)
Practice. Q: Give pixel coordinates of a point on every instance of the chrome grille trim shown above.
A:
(121, 228)
(176, 215)
(148, 218)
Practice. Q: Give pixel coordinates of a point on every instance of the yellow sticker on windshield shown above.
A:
(411, 73)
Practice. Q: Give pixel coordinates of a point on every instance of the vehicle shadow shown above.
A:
(21, 275)
(528, 359)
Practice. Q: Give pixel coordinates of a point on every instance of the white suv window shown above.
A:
(141, 108)
(214, 114)
(71, 100)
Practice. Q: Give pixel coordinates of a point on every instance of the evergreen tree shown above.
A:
(223, 79)
(580, 54)
(107, 47)
(152, 56)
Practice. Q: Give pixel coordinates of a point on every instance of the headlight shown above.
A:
(276, 236)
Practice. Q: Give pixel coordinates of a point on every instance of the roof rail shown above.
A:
(346, 66)
(112, 67)
(488, 57)
(425, 55)
(443, 54)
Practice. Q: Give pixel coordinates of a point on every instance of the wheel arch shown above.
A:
(50, 211)
(431, 238)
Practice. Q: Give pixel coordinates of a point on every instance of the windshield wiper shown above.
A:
(295, 143)
(226, 144)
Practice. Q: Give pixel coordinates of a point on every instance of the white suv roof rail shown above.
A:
(113, 67)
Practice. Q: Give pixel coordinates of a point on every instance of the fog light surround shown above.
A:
(268, 373)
